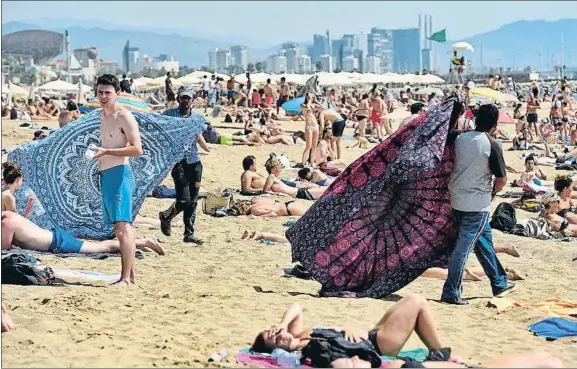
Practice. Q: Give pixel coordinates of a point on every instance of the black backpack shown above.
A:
(22, 269)
(504, 218)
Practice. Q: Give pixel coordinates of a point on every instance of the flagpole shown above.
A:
(562, 61)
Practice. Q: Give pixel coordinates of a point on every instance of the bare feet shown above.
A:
(256, 236)
(122, 284)
(512, 275)
(152, 243)
(244, 235)
(512, 250)
(7, 323)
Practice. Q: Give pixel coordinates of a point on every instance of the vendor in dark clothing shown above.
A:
(187, 175)
(357, 348)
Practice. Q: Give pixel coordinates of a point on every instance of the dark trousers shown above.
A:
(187, 179)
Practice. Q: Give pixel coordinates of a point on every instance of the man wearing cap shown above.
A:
(187, 175)
(477, 159)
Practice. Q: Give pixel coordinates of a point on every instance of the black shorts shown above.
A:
(360, 117)
(281, 100)
(532, 118)
(339, 128)
(373, 340)
(204, 94)
(304, 194)
(170, 97)
(557, 122)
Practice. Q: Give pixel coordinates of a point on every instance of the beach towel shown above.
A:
(554, 328)
(67, 183)
(387, 218)
(163, 192)
(247, 357)
(96, 256)
(557, 306)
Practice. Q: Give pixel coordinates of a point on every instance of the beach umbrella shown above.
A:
(129, 101)
(139, 82)
(429, 79)
(429, 90)
(190, 80)
(505, 118)
(297, 79)
(333, 79)
(59, 86)
(159, 81)
(511, 98)
(488, 92)
(14, 89)
(293, 106)
(463, 46)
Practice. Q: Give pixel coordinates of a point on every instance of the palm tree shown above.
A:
(250, 68)
(319, 66)
(258, 67)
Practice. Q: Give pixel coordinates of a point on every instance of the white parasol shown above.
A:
(463, 46)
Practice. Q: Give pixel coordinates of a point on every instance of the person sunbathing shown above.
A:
(35, 112)
(560, 224)
(19, 231)
(7, 323)
(358, 348)
(532, 174)
(51, 108)
(566, 187)
(315, 176)
(12, 178)
(274, 185)
(263, 207)
(250, 180)
(325, 157)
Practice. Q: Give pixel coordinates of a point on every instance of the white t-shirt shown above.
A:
(205, 84)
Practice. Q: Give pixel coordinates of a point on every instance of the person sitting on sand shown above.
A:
(51, 108)
(532, 174)
(7, 323)
(565, 185)
(274, 185)
(560, 224)
(250, 180)
(70, 114)
(12, 178)
(265, 207)
(315, 176)
(361, 142)
(324, 156)
(19, 231)
(36, 111)
(358, 348)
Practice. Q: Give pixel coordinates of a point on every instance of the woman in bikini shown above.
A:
(362, 114)
(560, 224)
(568, 209)
(315, 176)
(269, 208)
(358, 348)
(311, 128)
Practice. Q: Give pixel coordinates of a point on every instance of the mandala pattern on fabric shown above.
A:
(387, 218)
(68, 184)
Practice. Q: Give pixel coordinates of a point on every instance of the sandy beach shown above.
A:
(195, 301)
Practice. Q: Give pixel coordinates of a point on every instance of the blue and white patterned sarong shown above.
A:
(68, 184)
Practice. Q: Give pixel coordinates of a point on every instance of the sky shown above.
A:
(273, 22)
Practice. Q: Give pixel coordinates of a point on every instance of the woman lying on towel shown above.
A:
(265, 207)
(19, 231)
(358, 348)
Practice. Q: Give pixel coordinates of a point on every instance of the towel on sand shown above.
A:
(557, 306)
(246, 357)
(97, 256)
(554, 328)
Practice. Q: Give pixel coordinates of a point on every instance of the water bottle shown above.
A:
(37, 207)
(217, 356)
(286, 359)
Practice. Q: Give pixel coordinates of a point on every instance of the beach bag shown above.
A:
(213, 202)
(25, 270)
(504, 218)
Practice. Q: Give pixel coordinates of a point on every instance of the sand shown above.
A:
(198, 300)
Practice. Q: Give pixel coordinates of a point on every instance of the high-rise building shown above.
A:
(223, 60)
(349, 44)
(373, 64)
(327, 62)
(303, 64)
(350, 64)
(240, 56)
(320, 47)
(276, 64)
(212, 59)
(337, 53)
(291, 51)
(380, 43)
(130, 56)
(361, 43)
(406, 50)
(427, 60)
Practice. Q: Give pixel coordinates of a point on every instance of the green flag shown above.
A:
(440, 36)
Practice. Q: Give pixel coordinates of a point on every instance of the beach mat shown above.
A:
(86, 274)
(67, 184)
(97, 256)
(246, 357)
(554, 328)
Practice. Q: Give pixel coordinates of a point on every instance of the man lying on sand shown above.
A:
(358, 348)
(19, 231)
(274, 185)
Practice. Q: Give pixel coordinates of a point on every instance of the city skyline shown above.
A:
(360, 16)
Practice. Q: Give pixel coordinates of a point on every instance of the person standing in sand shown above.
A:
(377, 109)
(284, 94)
(268, 94)
(477, 159)
(120, 139)
(532, 117)
(170, 96)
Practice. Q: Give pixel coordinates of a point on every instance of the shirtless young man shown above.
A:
(532, 117)
(19, 231)
(533, 174)
(337, 124)
(120, 139)
(269, 92)
(274, 185)
(284, 94)
(377, 109)
(250, 180)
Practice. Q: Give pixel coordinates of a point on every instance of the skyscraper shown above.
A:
(380, 44)
(320, 47)
(240, 56)
(406, 50)
(223, 60)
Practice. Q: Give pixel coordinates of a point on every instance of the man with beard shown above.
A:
(120, 139)
(186, 174)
